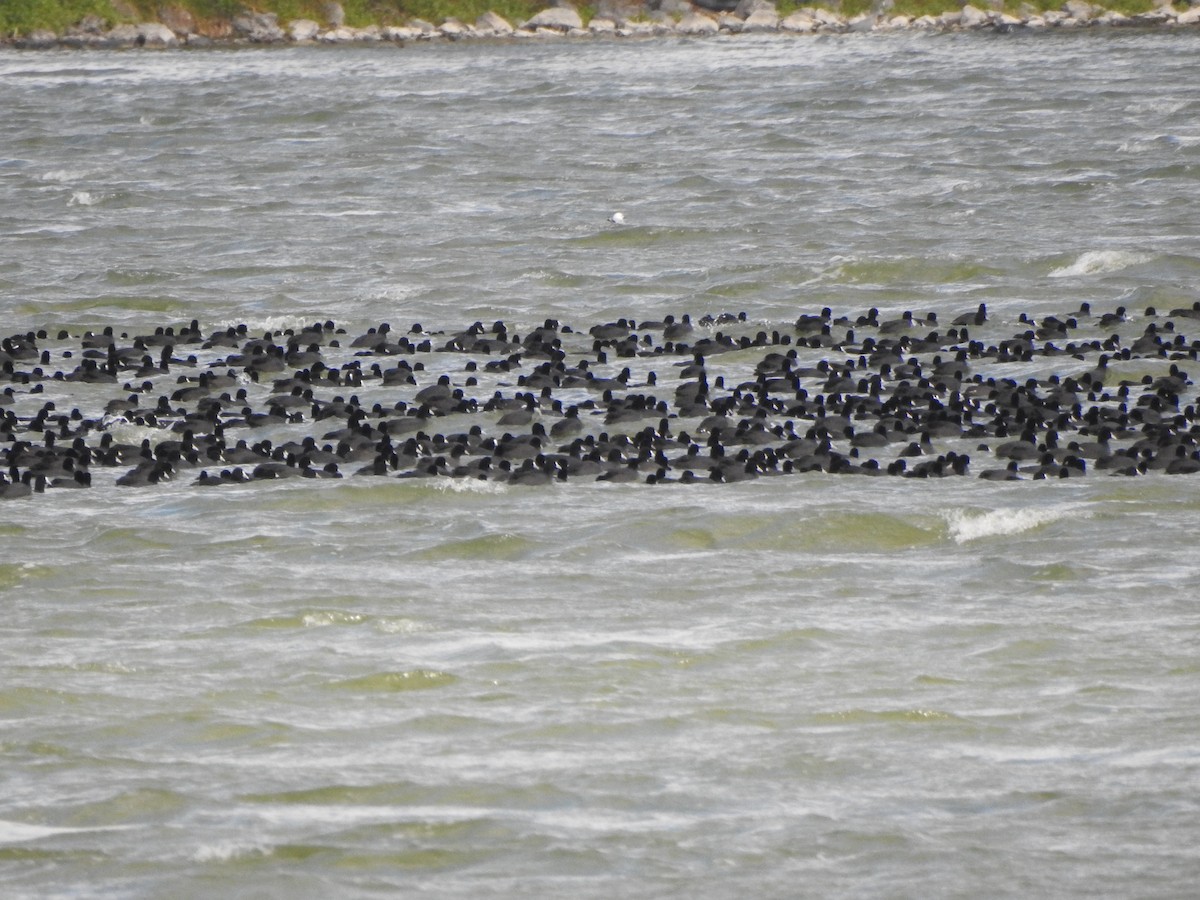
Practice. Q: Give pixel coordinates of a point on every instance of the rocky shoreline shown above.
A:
(177, 28)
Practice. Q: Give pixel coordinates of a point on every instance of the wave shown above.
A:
(86, 198)
(1100, 262)
(968, 526)
(17, 832)
(389, 682)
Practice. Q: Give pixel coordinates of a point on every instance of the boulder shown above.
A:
(90, 24)
(746, 8)
(861, 24)
(178, 19)
(303, 30)
(761, 20)
(696, 23)
(602, 26)
(38, 39)
(828, 21)
(1189, 17)
(155, 34)
(491, 23)
(1079, 10)
(799, 22)
(258, 28)
(557, 18)
(124, 35)
(335, 15)
(399, 34)
(973, 17)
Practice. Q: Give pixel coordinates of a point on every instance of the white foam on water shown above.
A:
(1100, 262)
(19, 832)
(257, 327)
(65, 176)
(470, 486)
(968, 526)
(85, 198)
(224, 851)
(325, 618)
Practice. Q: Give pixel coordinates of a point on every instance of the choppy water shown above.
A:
(812, 686)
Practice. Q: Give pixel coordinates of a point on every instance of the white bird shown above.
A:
(617, 218)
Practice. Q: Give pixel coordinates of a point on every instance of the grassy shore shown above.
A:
(20, 17)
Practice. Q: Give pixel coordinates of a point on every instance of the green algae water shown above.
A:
(812, 686)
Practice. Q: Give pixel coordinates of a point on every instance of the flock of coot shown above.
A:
(718, 399)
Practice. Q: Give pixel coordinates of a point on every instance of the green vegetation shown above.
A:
(23, 16)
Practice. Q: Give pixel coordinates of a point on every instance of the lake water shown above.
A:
(804, 686)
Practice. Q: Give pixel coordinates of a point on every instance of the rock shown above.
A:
(697, 23)
(761, 20)
(38, 39)
(155, 34)
(453, 29)
(88, 25)
(557, 18)
(972, 17)
(303, 30)
(493, 24)
(215, 29)
(602, 26)
(799, 22)
(335, 15)
(178, 19)
(717, 6)
(341, 35)
(124, 35)
(860, 24)
(1079, 10)
(746, 8)
(399, 34)
(1189, 17)
(426, 29)
(674, 8)
(828, 21)
(258, 28)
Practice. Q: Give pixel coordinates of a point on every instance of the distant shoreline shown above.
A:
(177, 28)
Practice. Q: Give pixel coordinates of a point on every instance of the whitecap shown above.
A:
(227, 851)
(84, 198)
(267, 323)
(972, 525)
(470, 486)
(19, 832)
(63, 176)
(1100, 262)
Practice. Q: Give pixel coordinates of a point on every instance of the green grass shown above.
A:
(23, 16)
